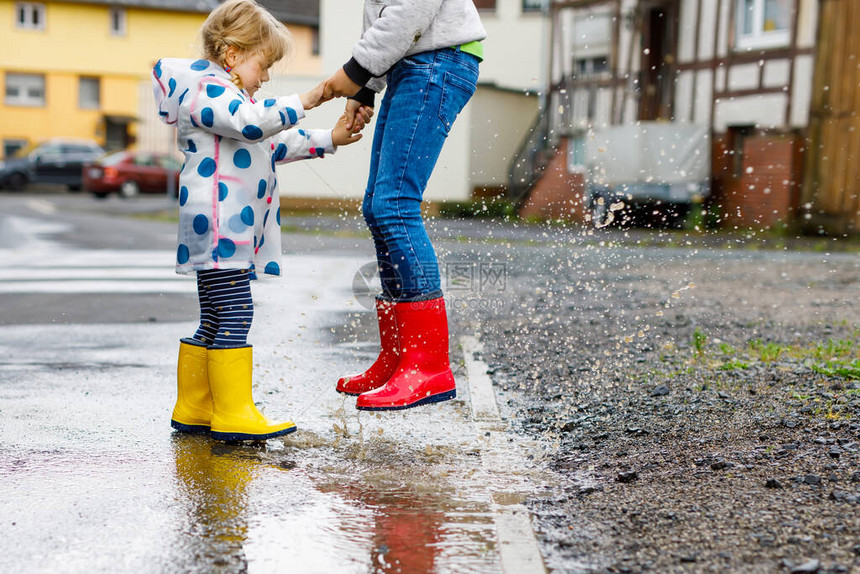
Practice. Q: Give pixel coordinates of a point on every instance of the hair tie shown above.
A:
(228, 69)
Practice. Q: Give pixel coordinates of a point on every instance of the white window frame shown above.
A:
(118, 23)
(759, 38)
(30, 15)
(83, 102)
(533, 6)
(25, 83)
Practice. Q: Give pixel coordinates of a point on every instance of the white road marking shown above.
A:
(42, 206)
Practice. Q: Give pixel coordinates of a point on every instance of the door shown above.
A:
(657, 66)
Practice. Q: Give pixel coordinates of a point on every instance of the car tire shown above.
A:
(100, 195)
(129, 189)
(17, 182)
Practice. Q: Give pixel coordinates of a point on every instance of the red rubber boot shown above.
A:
(423, 374)
(385, 365)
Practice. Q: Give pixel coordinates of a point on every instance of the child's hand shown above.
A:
(342, 133)
(314, 97)
(357, 115)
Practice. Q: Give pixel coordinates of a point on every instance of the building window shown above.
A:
(315, 42)
(25, 90)
(117, 21)
(533, 5)
(763, 23)
(10, 146)
(89, 93)
(590, 67)
(489, 5)
(30, 15)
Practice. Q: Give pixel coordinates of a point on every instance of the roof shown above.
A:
(305, 12)
(203, 6)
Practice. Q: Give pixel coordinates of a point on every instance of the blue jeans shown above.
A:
(425, 93)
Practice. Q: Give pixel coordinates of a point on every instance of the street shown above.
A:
(95, 479)
(627, 400)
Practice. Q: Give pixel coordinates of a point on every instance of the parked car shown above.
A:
(59, 160)
(130, 172)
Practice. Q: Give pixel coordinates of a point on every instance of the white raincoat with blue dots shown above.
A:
(229, 209)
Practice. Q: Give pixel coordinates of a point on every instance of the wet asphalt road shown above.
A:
(95, 481)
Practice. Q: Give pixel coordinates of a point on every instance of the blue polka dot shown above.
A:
(236, 224)
(199, 65)
(214, 90)
(207, 116)
(191, 147)
(207, 167)
(255, 241)
(234, 105)
(280, 152)
(302, 133)
(157, 69)
(242, 158)
(283, 119)
(265, 219)
(252, 132)
(171, 83)
(183, 195)
(293, 115)
(273, 268)
(193, 122)
(278, 216)
(261, 189)
(222, 191)
(269, 103)
(226, 248)
(182, 254)
(247, 215)
(201, 224)
(262, 240)
(182, 96)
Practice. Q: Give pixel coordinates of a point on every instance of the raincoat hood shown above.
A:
(174, 78)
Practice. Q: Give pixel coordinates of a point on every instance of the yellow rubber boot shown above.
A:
(234, 416)
(193, 410)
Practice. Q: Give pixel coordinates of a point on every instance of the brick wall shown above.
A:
(763, 190)
(558, 194)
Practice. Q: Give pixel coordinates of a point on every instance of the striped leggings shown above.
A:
(226, 308)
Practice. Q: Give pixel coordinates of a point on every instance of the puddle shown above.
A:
(96, 481)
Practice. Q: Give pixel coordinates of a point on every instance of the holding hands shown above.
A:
(314, 97)
(343, 133)
(356, 115)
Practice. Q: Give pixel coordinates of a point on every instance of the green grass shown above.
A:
(841, 369)
(700, 340)
(733, 365)
(767, 352)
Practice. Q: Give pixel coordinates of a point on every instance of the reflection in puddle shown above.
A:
(423, 519)
(213, 480)
(349, 505)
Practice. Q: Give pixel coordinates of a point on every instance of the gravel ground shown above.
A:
(701, 404)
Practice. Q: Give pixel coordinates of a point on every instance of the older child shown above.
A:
(428, 54)
(228, 204)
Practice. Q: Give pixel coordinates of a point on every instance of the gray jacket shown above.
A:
(397, 28)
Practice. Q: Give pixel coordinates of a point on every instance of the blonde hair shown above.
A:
(249, 28)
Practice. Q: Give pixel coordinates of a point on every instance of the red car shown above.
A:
(130, 173)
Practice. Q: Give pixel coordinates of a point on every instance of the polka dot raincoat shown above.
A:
(229, 214)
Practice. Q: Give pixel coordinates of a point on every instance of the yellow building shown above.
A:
(76, 68)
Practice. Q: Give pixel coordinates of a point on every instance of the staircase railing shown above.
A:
(532, 157)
